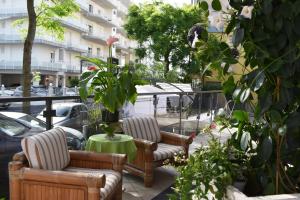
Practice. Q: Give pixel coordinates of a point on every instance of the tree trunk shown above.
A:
(28, 44)
(167, 64)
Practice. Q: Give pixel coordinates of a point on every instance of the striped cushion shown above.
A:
(47, 150)
(112, 178)
(143, 128)
(165, 151)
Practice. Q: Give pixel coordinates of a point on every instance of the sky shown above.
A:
(173, 2)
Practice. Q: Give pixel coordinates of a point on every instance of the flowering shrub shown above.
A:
(206, 174)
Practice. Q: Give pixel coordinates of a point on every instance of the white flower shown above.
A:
(247, 12)
(217, 22)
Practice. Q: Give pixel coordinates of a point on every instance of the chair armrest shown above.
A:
(91, 180)
(145, 144)
(88, 159)
(176, 139)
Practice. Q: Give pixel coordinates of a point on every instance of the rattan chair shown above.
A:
(85, 175)
(153, 146)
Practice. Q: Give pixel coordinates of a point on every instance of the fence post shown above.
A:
(48, 114)
(180, 112)
(211, 107)
(199, 112)
(155, 102)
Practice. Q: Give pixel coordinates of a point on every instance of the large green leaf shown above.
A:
(245, 95)
(266, 148)
(204, 5)
(245, 139)
(216, 5)
(240, 115)
(238, 36)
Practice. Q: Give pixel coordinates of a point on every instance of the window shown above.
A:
(90, 29)
(61, 55)
(11, 127)
(98, 52)
(2, 50)
(3, 24)
(90, 51)
(91, 8)
(114, 12)
(52, 57)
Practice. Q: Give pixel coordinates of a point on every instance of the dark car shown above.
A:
(12, 131)
(68, 114)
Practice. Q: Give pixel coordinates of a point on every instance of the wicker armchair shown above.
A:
(86, 175)
(153, 146)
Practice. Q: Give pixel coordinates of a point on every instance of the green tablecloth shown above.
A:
(123, 145)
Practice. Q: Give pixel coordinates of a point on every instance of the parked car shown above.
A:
(75, 138)
(5, 93)
(67, 114)
(34, 91)
(13, 128)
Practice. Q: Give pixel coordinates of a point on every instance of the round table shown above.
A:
(124, 144)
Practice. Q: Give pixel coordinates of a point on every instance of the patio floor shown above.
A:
(163, 176)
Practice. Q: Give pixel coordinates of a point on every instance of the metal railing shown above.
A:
(211, 103)
(35, 65)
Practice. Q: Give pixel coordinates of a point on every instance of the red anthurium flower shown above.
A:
(111, 40)
(92, 68)
(213, 126)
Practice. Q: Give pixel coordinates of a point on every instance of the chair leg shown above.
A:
(148, 177)
(119, 191)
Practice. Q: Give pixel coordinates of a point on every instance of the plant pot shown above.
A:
(109, 117)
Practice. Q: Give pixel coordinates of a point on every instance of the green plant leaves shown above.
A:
(245, 139)
(266, 148)
(204, 5)
(245, 95)
(216, 5)
(238, 36)
(240, 115)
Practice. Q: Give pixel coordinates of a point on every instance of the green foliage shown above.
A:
(161, 30)
(110, 88)
(269, 42)
(74, 82)
(49, 15)
(207, 172)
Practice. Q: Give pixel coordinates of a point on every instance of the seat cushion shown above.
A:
(143, 128)
(165, 151)
(112, 178)
(47, 150)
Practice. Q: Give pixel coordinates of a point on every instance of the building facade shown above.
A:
(57, 60)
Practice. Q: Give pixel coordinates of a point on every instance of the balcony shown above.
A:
(90, 55)
(76, 47)
(73, 69)
(107, 3)
(122, 10)
(102, 19)
(13, 13)
(75, 25)
(83, 4)
(98, 38)
(16, 66)
(39, 39)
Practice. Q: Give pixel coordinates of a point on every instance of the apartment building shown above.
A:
(57, 60)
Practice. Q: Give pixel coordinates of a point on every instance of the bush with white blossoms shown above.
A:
(206, 174)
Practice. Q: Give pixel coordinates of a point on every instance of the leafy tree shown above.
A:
(161, 29)
(46, 16)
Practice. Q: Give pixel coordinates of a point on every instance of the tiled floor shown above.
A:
(164, 176)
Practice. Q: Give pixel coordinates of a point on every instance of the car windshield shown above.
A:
(62, 110)
(11, 127)
(33, 122)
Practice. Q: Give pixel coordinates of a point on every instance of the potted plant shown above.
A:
(36, 78)
(207, 172)
(111, 86)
